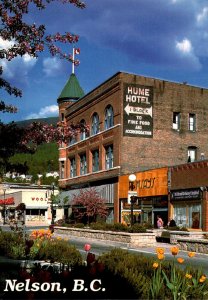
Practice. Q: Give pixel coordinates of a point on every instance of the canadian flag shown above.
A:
(76, 51)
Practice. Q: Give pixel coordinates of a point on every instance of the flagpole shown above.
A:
(73, 58)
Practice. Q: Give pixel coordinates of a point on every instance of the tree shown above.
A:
(24, 38)
(14, 139)
(88, 204)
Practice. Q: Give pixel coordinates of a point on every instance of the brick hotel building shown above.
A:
(136, 124)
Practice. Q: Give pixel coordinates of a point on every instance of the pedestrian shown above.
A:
(171, 223)
(159, 222)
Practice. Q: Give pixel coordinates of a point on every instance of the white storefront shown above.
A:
(37, 200)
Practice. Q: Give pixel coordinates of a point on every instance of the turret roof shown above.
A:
(72, 90)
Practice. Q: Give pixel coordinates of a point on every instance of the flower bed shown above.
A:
(114, 275)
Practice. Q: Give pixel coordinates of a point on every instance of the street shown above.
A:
(99, 247)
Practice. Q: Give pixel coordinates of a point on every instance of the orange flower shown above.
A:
(160, 256)
(202, 278)
(191, 254)
(174, 250)
(188, 276)
(160, 250)
(155, 265)
(180, 260)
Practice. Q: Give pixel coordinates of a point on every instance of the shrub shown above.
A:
(54, 250)
(137, 228)
(79, 225)
(135, 269)
(12, 245)
(120, 227)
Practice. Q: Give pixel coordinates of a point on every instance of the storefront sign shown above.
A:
(137, 115)
(152, 183)
(190, 194)
(38, 199)
(7, 201)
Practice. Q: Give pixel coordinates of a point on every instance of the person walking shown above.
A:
(159, 222)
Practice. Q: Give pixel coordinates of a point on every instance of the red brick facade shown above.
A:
(166, 147)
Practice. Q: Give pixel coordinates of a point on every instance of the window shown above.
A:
(83, 133)
(61, 169)
(62, 117)
(95, 160)
(83, 164)
(191, 153)
(72, 167)
(188, 215)
(72, 140)
(192, 122)
(109, 121)
(109, 157)
(176, 120)
(95, 128)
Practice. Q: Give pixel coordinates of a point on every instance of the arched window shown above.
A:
(83, 133)
(95, 127)
(109, 120)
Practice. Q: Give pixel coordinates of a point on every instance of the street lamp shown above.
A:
(5, 187)
(132, 178)
(52, 198)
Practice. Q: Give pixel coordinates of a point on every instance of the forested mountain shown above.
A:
(51, 120)
(45, 159)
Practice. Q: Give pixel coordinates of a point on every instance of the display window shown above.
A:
(187, 215)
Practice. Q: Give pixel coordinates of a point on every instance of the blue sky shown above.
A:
(165, 39)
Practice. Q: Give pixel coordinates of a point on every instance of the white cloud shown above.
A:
(51, 66)
(18, 65)
(5, 44)
(47, 111)
(184, 46)
(203, 15)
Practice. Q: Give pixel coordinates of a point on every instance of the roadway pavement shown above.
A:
(98, 247)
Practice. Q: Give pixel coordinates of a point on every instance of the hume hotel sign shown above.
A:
(137, 114)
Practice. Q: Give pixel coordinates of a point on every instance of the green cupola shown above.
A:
(72, 90)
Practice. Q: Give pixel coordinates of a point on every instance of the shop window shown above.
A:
(194, 216)
(180, 216)
(95, 160)
(188, 215)
(192, 153)
(62, 169)
(73, 167)
(192, 122)
(176, 120)
(95, 127)
(83, 164)
(83, 133)
(109, 157)
(109, 117)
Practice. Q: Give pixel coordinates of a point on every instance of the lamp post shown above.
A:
(5, 187)
(133, 200)
(52, 198)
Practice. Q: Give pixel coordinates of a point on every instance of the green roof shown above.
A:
(72, 90)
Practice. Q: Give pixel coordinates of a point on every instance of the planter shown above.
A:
(131, 239)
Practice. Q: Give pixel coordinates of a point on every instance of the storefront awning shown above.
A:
(36, 207)
(106, 191)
